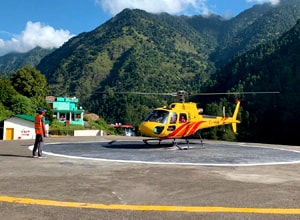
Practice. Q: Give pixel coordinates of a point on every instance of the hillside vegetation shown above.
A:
(274, 66)
(10, 63)
(141, 52)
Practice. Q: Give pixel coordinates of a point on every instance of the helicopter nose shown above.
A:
(143, 129)
(150, 129)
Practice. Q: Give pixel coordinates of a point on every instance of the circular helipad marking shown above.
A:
(211, 154)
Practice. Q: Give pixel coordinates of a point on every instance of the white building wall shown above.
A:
(23, 129)
(88, 133)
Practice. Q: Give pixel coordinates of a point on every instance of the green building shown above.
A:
(66, 110)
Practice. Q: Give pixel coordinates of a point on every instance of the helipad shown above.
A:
(148, 182)
(210, 153)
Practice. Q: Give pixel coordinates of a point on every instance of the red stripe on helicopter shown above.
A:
(186, 129)
(176, 132)
(182, 130)
(194, 128)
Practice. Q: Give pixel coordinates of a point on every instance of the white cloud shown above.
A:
(273, 2)
(154, 6)
(170, 6)
(34, 35)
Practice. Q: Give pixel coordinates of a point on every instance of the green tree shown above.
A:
(4, 112)
(29, 82)
(22, 105)
(7, 91)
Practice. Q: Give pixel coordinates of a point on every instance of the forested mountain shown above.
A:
(139, 51)
(11, 62)
(144, 52)
(253, 27)
(274, 66)
(133, 51)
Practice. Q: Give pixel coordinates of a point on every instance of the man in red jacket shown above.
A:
(40, 133)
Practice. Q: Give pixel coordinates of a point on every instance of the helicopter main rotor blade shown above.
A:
(147, 93)
(236, 93)
(184, 93)
(141, 93)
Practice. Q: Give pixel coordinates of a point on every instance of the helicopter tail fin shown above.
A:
(236, 111)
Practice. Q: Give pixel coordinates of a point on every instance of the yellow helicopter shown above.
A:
(180, 120)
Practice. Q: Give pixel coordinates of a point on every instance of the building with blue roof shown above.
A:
(66, 110)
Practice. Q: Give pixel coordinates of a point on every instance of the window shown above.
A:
(173, 118)
(182, 118)
(160, 116)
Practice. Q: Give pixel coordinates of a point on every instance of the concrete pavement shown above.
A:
(67, 188)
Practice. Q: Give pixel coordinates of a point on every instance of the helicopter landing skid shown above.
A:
(153, 142)
(182, 148)
(171, 144)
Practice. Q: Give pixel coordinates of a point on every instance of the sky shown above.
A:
(26, 24)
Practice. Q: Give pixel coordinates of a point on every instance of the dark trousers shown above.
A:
(38, 145)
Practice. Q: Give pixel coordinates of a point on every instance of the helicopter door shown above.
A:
(173, 120)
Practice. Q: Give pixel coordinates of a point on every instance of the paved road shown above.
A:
(69, 188)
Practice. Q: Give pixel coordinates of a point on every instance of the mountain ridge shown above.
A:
(132, 28)
(144, 52)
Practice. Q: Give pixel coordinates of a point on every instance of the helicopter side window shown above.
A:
(173, 118)
(182, 118)
(159, 116)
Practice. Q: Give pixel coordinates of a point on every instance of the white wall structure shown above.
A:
(88, 133)
(16, 128)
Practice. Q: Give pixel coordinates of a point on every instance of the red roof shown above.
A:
(122, 126)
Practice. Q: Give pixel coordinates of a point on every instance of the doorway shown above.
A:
(9, 134)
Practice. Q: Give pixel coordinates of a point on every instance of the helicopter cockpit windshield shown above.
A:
(160, 116)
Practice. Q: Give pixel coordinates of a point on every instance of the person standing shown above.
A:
(40, 133)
